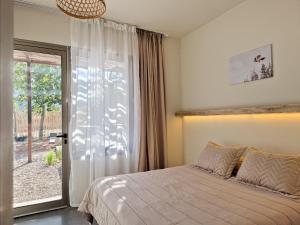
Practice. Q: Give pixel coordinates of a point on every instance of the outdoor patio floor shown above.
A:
(36, 180)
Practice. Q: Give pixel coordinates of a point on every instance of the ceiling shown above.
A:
(172, 17)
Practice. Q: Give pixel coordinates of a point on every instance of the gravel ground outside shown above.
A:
(36, 180)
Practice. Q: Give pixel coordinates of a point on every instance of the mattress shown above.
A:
(185, 196)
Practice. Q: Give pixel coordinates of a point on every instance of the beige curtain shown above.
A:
(153, 108)
(6, 131)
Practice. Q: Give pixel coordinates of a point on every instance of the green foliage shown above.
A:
(53, 157)
(45, 84)
(59, 153)
(50, 158)
(20, 85)
(45, 89)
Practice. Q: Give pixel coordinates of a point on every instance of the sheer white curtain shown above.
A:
(105, 115)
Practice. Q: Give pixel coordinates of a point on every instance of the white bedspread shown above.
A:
(184, 196)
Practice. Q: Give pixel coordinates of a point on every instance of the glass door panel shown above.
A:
(40, 152)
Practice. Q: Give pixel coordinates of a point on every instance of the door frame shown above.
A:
(64, 52)
(6, 131)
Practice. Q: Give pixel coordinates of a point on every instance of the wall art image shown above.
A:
(252, 65)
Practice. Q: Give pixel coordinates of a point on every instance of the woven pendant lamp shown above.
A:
(82, 9)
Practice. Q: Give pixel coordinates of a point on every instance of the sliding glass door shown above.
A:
(40, 127)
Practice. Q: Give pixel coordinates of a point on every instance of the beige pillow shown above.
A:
(276, 172)
(219, 159)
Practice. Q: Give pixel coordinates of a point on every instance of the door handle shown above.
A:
(62, 136)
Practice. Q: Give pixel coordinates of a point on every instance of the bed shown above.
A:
(185, 196)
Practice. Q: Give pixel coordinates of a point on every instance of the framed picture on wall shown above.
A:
(253, 65)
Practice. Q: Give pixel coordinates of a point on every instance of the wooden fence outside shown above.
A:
(52, 124)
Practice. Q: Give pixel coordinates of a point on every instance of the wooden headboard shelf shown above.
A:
(291, 108)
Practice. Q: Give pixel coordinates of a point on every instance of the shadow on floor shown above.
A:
(68, 216)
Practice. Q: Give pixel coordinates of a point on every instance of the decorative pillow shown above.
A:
(219, 159)
(276, 172)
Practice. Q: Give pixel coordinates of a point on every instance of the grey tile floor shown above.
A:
(68, 216)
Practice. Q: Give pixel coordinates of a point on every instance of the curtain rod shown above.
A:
(164, 34)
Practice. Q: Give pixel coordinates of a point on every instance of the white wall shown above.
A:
(278, 133)
(205, 55)
(53, 27)
(173, 96)
(38, 24)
